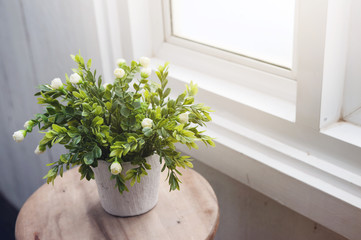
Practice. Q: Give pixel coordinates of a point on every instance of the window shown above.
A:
(352, 97)
(259, 29)
(341, 101)
(267, 118)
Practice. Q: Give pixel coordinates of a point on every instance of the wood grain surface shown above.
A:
(71, 210)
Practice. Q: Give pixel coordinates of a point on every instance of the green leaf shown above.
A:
(77, 95)
(45, 88)
(89, 158)
(136, 105)
(132, 182)
(50, 164)
(87, 107)
(58, 140)
(143, 81)
(61, 171)
(53, 171)
(85, 113)
(193, 89)
(129, 174)
(89, 63)
(45, 140)
(98, 110)
(69, 110)
(107, 94)
(164, 111)
(65, 157)
(77, 139)
(166, 93)
(116, 153)
(59, 118)
(72, 132)
(43, 117)
(156, 100)
(189, 100)
(83, 94)
(180, 98)
(136, 87)
(125, 111)
(108, 105)
(147, 166)
(147, 131)
(59, 129)
(97, 121)
(97, 152)
(51, 110)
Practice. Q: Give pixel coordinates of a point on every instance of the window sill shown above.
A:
(231, 91)
(344, 131)
(311, 186)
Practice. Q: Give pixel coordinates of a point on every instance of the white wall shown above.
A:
(36, 39)
(249, 215)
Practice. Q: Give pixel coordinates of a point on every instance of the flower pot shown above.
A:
(141, 197)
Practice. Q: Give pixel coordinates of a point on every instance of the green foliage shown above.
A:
(96, 122)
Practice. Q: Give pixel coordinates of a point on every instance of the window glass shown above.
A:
(259, 29)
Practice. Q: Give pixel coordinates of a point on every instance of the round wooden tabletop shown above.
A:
(71, 210)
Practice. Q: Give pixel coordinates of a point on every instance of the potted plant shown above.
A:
(123, 132)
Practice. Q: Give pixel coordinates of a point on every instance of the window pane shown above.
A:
(260, 29)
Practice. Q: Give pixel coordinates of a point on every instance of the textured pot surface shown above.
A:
(141, 198)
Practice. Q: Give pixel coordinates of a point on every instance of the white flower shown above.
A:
(119, 72)
(56, 83)
(147, 122)
(144, 61)
(120, 61)
(145, 72)
(28, 123)
(75, 78)
(19, 136)
(115, 168)
(183, 118)
(38, 151)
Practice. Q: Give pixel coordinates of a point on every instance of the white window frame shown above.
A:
(264, 66)
(269, 137)
(341, 119)
(352, 98)
(245, 72)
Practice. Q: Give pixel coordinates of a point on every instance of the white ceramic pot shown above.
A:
(141, 198)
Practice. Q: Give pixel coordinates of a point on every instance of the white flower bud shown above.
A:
(144, 61)
(115, 168)
(28, 123)
(183, 118)
(145, 72)
(75, 78)
(147, 122)
(19, 136)
(56, 83)
(120, 61)
(119, 72)
(38, 151)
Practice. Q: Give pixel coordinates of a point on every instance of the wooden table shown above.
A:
(71, 210)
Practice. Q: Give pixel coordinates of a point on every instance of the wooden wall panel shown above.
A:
(36, 39)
